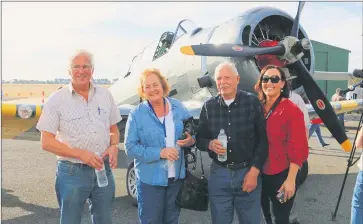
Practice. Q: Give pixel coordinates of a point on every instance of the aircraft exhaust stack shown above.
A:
(205, 81)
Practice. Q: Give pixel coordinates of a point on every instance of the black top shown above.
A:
(244, 124)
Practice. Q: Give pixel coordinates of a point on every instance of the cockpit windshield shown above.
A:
(184, 26)
(162, 47)
(188, 26)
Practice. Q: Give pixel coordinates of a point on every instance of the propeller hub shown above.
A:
(268, 59)
(291, 53)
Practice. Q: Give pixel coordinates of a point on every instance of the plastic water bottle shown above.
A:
(222, 138)
(101, 175)
(169, 163)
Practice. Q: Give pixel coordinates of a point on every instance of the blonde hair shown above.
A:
(163, 81)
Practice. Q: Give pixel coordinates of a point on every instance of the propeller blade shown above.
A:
(295, 27)
(322, 106)
(230, 50)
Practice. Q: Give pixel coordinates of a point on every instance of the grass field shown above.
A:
(30, 90)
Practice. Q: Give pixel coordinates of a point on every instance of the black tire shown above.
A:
(131, 184)
(304, 172)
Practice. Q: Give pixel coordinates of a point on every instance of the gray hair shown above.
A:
(81, 52)
(228, 64)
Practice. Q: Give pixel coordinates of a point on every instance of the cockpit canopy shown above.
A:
(168, 38)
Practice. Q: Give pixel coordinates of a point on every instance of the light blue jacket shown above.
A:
(144, 139)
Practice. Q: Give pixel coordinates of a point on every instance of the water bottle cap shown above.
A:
(222, 130)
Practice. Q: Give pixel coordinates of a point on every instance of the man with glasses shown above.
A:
(234, 184)
(76, 123)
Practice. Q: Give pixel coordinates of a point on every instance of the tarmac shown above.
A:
(28, 177)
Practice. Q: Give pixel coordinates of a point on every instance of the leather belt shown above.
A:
(81, 165)
(232, 166)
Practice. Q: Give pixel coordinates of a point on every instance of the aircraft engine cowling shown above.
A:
(263, 26)
(268, 26)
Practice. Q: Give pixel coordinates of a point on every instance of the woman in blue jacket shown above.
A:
(151, 138)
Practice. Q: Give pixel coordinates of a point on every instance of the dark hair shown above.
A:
(258, 87)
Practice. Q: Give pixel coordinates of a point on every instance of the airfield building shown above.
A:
(332, 59)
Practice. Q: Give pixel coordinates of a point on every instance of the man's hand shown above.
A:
(170, 154)
(250, 180)
(91, 159)
(112, 153)
(188, 141)
(216, 147)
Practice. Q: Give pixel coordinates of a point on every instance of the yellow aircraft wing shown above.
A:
(18, 118)
(339, 107)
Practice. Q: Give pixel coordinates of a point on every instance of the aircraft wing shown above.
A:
(322, 75)
(20, 118)
(339, 107)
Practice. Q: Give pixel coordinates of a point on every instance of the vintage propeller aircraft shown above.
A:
(260, 36)
(290, 50)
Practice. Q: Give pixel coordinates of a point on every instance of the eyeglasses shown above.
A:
(84, 67)
(274, 79)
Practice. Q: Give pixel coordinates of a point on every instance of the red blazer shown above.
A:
(287, 140)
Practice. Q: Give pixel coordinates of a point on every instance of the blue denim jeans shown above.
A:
(316, 128)
(75, 184)
(226, 195)
(357, 201)
(156, 204)
(341, 119)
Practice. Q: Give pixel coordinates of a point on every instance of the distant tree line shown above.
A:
(55, 81)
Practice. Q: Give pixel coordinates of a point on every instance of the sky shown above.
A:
(39, 37)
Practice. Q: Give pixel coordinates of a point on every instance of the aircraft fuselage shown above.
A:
(250, 28)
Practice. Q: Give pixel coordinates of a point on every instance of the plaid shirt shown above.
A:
(244, 124)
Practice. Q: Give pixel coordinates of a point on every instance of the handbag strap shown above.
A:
(274, 105)
(201, 163)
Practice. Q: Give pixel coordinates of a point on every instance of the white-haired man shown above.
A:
(236, 183)
(76, 123)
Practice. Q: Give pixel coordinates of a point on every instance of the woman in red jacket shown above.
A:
(288, 145)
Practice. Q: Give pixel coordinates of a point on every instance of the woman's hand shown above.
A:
(188, 141)
(170, 154)
(289, 187)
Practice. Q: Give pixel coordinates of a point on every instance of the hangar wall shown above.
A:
(333, 59)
